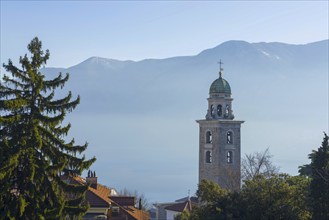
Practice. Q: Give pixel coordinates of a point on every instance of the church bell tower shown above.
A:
(220, 138)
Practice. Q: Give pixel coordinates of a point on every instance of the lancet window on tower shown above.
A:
(229, 157)
(208, 156)
(219, 110)
(229, 137)
(208, 137)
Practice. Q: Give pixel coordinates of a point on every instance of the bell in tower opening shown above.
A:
(220, 138)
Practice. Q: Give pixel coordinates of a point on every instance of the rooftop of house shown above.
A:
(98, 196)
(181, 206)
(193, 199)
(101, 196)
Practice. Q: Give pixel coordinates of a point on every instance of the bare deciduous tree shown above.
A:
(258, 163)
(140, 198)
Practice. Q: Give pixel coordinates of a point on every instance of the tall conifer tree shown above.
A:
(33, 153)
(319, 189)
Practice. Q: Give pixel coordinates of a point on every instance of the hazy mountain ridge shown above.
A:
(145, 111)
(240, 52)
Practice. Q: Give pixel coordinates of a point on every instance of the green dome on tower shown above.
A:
(220, 85)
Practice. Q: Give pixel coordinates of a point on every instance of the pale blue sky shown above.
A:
(135, 30)
(76, 30)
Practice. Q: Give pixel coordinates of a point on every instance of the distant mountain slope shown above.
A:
(192, 75)
(139, 117)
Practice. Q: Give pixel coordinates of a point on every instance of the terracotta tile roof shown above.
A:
(136, 213)
(124, 200)
(96, 197)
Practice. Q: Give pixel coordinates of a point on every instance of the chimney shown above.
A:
(91, 179)
(140, 204)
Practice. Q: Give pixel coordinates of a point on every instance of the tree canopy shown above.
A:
(319, 188)
(278, 197)
(34, 154)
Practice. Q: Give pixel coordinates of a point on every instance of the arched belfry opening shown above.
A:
(229, 137)
(208, 156)
(229, 157)
(219, 110)
(221, 155)
(208, 137)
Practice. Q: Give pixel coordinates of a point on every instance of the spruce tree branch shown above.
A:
(59, 81)
(20, 74)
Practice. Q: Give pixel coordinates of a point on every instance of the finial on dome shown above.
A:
(220, 68)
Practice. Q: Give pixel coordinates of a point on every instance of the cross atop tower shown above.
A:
(220, 68)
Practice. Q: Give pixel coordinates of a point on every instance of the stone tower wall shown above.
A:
(227, 175)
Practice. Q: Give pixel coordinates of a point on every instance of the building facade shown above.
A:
(220, 138)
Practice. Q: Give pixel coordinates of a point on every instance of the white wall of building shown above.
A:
(171, 214)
